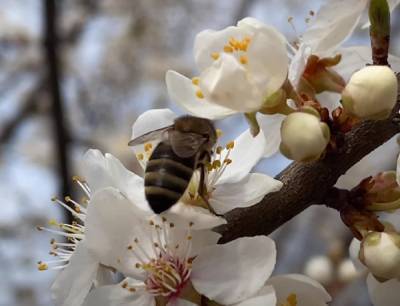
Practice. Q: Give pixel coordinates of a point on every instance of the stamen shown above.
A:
(199, 94)
(243, 59)
(196, 81)
(215, 56)
(148, 147)
(140, 156)
(230, 145)
(228, 49)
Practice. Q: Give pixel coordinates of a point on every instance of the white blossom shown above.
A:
(240, 67)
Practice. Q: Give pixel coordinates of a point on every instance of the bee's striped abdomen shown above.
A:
(166, 177)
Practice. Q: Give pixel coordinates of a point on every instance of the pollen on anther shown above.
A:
(227, 161)
(42, 266)
(219, 133)
(218, 150)
(148, 147)
(230, 145)
(228, 49)
(140, 156)
(243, 59)
(216, 164)
(215, 55)
(199, 94)
(196, 81)
(189, 237)
(124, 285)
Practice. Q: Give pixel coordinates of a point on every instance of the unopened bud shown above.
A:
(380, 252)
(304, 137)
(320, 268)
(371, 93)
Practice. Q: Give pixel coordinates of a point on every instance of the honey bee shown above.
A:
(184, 147)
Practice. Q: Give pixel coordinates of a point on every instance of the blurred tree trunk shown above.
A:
(61, 133)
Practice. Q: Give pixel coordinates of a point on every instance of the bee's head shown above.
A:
(201, 126)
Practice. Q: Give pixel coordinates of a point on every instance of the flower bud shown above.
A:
(371, 93)
(380, 252)
(320, 268)
(304, 136)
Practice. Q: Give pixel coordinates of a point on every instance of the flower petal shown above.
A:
(115, 295)
(265, 297)
(334, 23)
(151, 120)
(298, 63)
(230, 273)
(181, 302)
(268, 72)
(181, 214)
(354, 249)
(182, 92)
(229, 84)
(244, 193)
(209, 41)
(112, 223)
(68, 289)
(383, 294)
(243, 159)
(308, 292)
(271, 128)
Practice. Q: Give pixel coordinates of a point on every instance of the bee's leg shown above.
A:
(202, 189)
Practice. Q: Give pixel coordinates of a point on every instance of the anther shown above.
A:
(199, 94)
(228, 49)
(215, 56)
(227, 161)
(195, 81)
(243, 59)
(140, 156)
(42, 266)
(219, 150)
(171, 225)
(230, 145)
(216, 164)
(124, 285)
(148, 147)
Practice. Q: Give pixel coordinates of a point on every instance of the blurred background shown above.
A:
(112, 56)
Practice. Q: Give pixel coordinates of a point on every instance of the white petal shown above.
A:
(244, 193)
(268, 72)
(182, 92)
(111, 225)
(200, 240)
(371, 164)
(334, 23)
(228, 83)
(247, 152)
(383, 294)
(265, 297)
(115, 295)
(181, 214)
(210, 41)
(354, 249)
(232, 272)
(104, 277)
(298, 64)
(107, 171)
(151, 120)
(271, 129)
(308, 291)
(68, 289)
(255, 26)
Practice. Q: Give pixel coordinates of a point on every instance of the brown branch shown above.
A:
(305, 184)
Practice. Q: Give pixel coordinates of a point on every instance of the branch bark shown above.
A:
(305, 184)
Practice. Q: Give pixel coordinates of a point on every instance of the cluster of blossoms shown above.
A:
(119, 252)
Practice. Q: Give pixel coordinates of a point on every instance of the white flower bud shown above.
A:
(347, 271)
(380, 252)
(371, 93)
(304, 137)
(319, 268)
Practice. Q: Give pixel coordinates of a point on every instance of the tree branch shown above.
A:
(305, 184)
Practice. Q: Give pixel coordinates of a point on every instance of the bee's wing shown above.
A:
(150, 136)
(185, 144)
